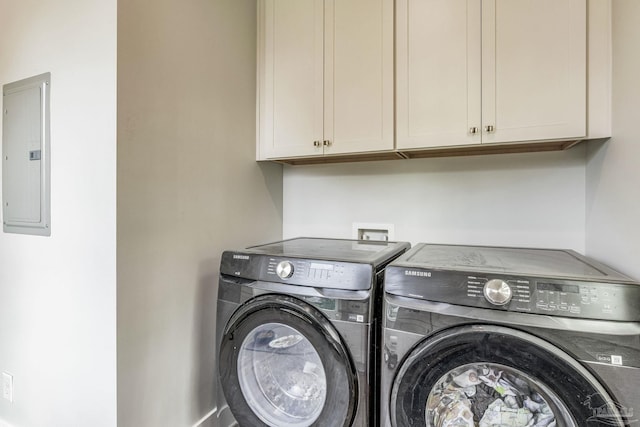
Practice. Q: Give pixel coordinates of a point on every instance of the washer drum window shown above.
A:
(489, 375)
(281, 373)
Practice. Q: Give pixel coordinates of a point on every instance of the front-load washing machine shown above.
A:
(493, 336)
(297, 333)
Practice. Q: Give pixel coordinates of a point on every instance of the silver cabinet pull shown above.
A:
(473, 130)
(326, 143)
(316, 143)
(489, 128)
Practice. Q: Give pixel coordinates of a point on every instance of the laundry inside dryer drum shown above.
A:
(490, 394)
(281, 376)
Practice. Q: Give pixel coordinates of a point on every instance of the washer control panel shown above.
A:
(555, 297)
(551, 296)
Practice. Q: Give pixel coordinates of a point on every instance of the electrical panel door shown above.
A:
(25, 156)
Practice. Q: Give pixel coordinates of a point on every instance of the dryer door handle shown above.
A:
(308, 291)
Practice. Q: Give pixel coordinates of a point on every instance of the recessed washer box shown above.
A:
(26, 186)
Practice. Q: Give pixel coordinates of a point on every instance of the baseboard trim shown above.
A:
(206, 418)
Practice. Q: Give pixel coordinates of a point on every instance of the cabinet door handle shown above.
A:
(326, 143)
(489, 128)
(473, 130)
(316, 143)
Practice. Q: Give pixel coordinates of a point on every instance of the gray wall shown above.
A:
(522, 200)
(58, 293)
(613, 170)
(188, 187)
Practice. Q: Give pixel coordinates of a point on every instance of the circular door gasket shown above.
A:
(307, 328)
(570, 388)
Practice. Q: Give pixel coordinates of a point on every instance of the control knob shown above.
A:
(284, 269)
(497, 292)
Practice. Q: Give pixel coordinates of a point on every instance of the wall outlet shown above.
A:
(7, 386)
(373, 232)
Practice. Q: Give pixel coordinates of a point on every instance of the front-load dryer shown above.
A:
(492, 336)
(297, 333)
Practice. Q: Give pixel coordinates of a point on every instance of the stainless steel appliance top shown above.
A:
(526, 261)
(357, 251)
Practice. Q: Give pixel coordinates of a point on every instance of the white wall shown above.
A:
(521, 200)
(188, 188)
(613, 171)
(57, 294)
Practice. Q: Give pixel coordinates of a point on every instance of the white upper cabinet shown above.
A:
(290, 77)
(438, 54)
(534, 59)
(490, 71)
(325, 77)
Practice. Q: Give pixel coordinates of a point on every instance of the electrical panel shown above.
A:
(26, 187)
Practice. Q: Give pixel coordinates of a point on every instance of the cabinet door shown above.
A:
(358, 114)
(290, 115)
(533, 69)
(438, 52)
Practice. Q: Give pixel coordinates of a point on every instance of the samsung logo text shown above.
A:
(416, 273)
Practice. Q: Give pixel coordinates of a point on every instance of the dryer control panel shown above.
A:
(316, 273)
(551, 296)
(298, 271)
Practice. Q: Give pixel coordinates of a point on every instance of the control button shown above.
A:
(497, 292)
(284, 269)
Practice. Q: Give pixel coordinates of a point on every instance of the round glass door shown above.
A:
(489, 394)
(490, 376)
(282, 373)
(283, 364)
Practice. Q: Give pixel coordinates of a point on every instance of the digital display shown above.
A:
(572, 289)
(318, 266)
